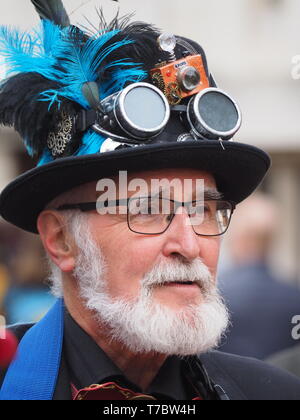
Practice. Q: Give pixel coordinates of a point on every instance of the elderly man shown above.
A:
(133, 260)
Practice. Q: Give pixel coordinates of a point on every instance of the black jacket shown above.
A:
(241, 378)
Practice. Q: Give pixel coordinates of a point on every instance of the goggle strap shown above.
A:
(85, 119)
(179, 108)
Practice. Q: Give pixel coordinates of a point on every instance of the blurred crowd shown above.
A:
(262, 303)
(24, 294)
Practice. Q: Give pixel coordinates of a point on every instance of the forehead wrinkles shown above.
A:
(171, 182)
(171, 174)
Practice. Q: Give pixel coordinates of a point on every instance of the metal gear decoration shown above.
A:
(158, 81)
(173, 93)
(58, 141)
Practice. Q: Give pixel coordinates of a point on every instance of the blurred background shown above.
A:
(252, 48)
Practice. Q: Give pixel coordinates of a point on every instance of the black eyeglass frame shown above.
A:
(92, 206)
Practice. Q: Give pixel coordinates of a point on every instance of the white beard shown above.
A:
(143, 325)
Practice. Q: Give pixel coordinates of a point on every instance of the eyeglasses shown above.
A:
(153, 215)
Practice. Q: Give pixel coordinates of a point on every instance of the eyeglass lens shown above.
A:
(148, 215)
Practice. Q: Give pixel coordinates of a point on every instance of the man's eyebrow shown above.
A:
(212, 194)
(209, 194)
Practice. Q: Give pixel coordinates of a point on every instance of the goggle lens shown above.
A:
(218, 111)
(144, 108)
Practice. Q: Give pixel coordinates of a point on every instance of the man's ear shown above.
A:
(56, 240)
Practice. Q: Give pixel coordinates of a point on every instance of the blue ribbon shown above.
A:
(33, 373)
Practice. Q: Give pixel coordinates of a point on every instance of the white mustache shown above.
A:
(177, 271)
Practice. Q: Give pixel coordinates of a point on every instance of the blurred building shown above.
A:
(250, 46)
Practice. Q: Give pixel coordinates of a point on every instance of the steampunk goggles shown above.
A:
(141, 111)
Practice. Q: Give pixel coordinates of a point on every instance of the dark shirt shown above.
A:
(84, 363)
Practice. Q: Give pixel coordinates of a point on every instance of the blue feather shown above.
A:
(80, 63)
(29, 149)
(91, 144)
(79, 60)
(51, 96)
(46, 158)
(51, 36)
(121, 76)
(24, 52)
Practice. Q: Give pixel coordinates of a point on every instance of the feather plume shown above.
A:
(21, 108)
(27, 52)
(63, 69)
(52, 10)
(83, 60)
(91, 143)
(143, 49)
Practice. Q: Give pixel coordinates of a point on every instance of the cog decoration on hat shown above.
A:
(173, 93)
(159, 82)
(57, 142)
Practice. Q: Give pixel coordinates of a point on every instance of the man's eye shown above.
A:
(202, 210)
(169, 217)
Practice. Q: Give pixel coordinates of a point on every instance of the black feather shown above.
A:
(144, 48)
(52, 10)
(21, 108)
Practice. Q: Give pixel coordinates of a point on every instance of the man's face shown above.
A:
(130, 256)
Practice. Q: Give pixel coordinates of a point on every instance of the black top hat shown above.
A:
(88, 105)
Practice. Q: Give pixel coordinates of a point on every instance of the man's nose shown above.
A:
(180, 238)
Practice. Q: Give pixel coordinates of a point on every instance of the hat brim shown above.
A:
(238, 170)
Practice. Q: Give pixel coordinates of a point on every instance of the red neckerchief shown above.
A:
(110, 391)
